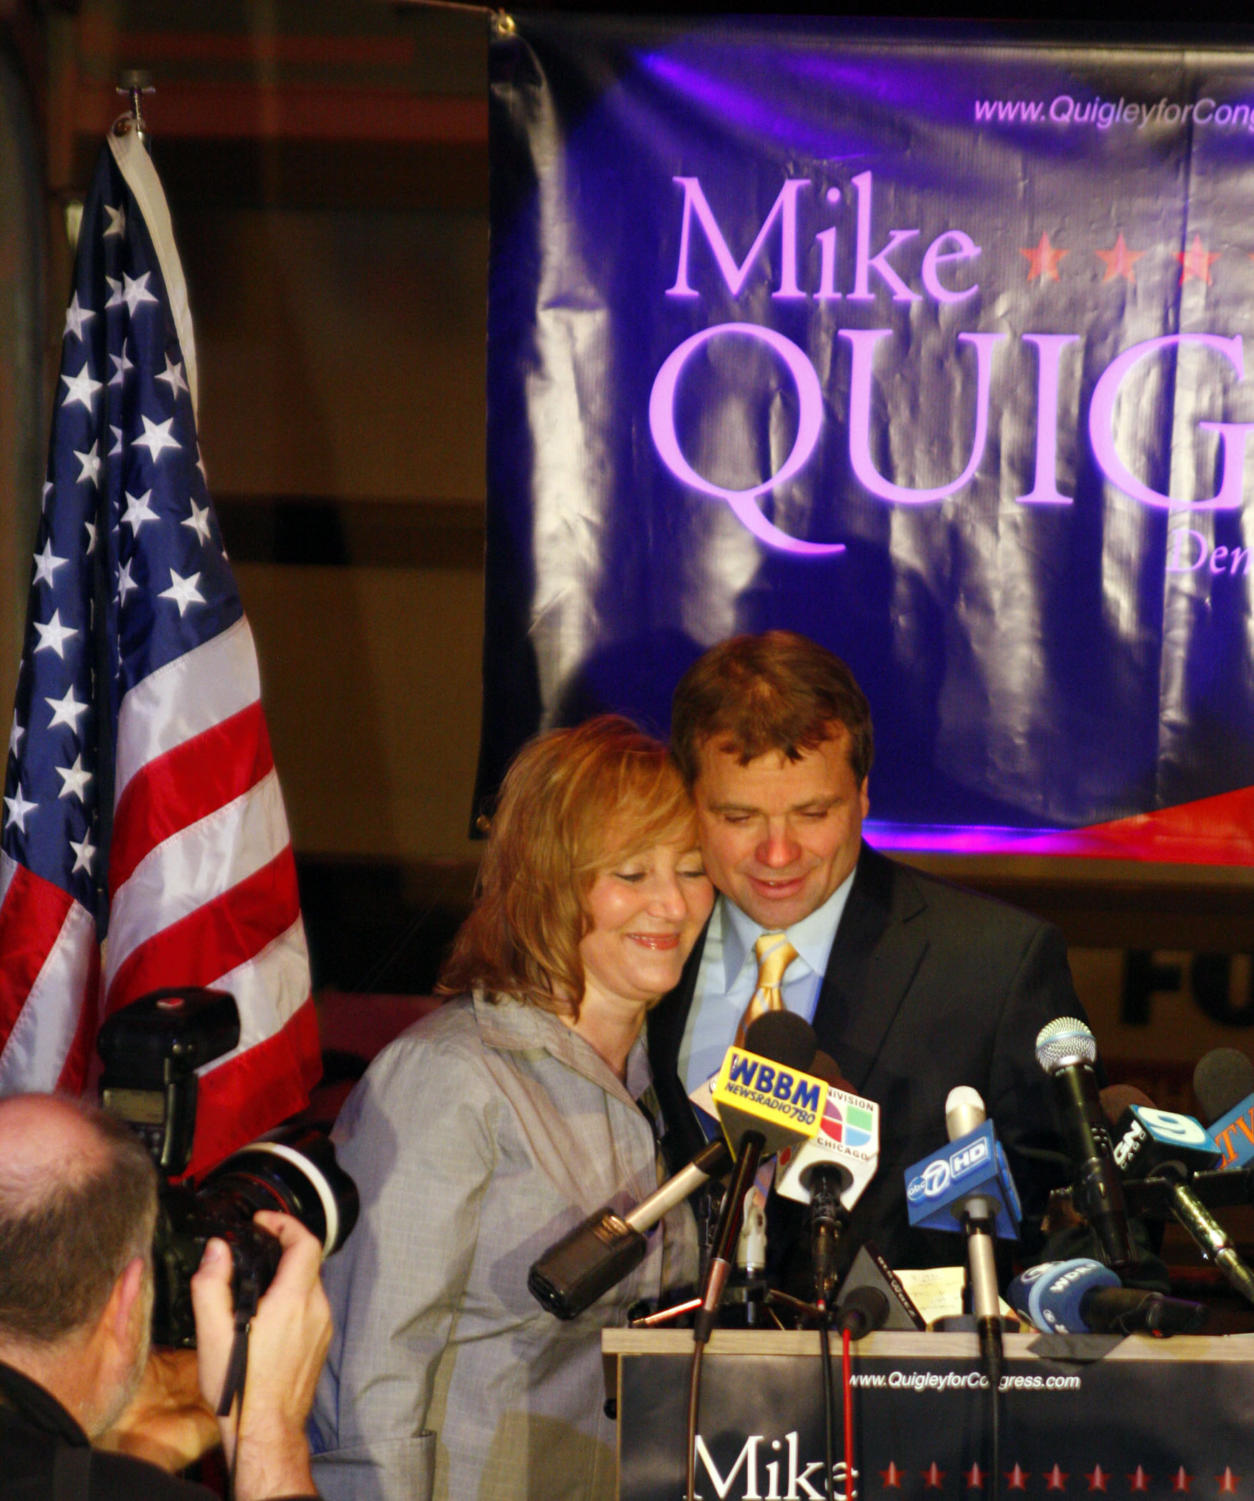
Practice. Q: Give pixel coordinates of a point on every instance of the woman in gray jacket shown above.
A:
(492, 1127)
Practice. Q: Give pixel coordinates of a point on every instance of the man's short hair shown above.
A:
(66, 1238)
(775, 692)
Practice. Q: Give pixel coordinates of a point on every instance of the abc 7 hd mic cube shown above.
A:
(965, 1187)
(939, 1186)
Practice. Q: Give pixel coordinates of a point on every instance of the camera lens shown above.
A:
(293, 1170)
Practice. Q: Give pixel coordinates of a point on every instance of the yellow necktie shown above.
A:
(775, 954)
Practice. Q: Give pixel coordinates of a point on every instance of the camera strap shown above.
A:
(237, 1363)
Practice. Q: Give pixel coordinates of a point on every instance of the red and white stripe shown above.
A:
(202, 885)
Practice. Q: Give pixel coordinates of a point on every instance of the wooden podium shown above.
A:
(1158, 1419)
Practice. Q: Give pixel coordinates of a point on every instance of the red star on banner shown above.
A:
(1056, 1480)
(1017, 1479)
(1227, 1481)
(1097, 1478)
(1043, 259)
(1196, 261)
(1138, 1480)
(1181, 1481)
(892, 1477)
(933, 1477)
(1120, 260)
(974, 1478)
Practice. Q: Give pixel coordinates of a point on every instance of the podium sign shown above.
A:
(1158, 1418)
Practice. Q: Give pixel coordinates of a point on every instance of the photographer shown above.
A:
(78, 1202)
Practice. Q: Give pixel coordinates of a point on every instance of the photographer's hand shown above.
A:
(288, 1343)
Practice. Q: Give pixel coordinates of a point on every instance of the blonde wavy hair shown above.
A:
(574, 803)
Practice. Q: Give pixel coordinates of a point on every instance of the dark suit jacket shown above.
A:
(928, 987)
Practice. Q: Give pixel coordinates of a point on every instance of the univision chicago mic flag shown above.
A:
(145, 841)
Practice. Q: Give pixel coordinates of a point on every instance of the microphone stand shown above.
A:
(721, 1260)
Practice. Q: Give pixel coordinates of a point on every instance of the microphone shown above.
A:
(973, 1165)
(1153, 1143)
(764, 1102)
(830, 1171)
(1066, 1050)
(1084, 1297)
(871, 1271)
(862, 1312)
(1223, 1083)
(1163, 1146)
(969, 1182)
(964, 1115)
(599, 1252)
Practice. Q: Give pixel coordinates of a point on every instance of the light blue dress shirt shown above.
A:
(728, 976)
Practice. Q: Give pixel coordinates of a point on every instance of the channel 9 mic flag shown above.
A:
(930, 347)
(141, 804)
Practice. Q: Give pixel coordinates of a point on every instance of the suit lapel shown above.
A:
(868, 977)
(682, 1135)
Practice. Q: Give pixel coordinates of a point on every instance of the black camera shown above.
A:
(151, 1050)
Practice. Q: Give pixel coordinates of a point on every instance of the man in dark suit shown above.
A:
(913, 986)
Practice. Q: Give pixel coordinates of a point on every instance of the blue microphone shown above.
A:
(968, 1187)
(1084, 1297)
(973, 1166)
(1149, 1142)
(1165, 1146)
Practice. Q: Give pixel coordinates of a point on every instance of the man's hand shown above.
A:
(291, 1331)
(167, 1421)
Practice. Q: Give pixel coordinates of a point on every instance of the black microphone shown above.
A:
(830, 1171)
(1066, 1050)
(599, 1252)
(862, 1311)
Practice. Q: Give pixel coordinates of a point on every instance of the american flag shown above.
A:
(144, 839)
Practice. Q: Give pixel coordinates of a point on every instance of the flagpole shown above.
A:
(134, 82)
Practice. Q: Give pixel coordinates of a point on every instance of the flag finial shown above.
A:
(136, 82)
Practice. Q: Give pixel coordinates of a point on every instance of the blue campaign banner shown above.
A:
(929, 345)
